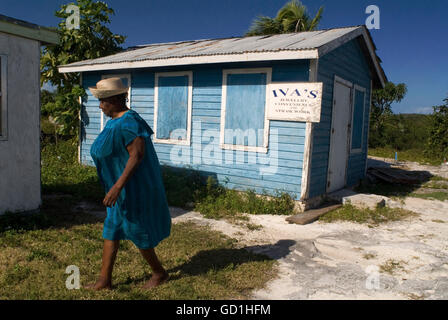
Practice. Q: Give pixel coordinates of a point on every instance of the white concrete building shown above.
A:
(20, 171)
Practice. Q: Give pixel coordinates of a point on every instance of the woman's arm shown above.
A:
(136, 151)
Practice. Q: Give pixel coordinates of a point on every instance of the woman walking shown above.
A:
(129, 170)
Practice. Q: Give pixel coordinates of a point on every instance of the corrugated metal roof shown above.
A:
(289, 46)
(210, 47)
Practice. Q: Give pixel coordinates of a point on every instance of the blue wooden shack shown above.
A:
(193, 93)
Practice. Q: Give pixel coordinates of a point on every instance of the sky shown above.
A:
(412, 41)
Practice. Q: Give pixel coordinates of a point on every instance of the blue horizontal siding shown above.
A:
(206, 107)
(349, 63)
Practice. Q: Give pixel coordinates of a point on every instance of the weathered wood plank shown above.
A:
(310, 216)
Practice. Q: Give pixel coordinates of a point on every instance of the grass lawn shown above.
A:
(35, 250)
(438, 195)
(414, 155)
(203, 264)
(366, 216)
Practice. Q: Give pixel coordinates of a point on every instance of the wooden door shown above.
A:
(339, 140)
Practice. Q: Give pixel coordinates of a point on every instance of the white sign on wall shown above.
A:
(295, 101)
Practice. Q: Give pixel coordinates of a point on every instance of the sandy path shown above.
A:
(334, 261)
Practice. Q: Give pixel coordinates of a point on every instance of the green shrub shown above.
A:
(366, 216)
(220, 202)
(438, 136)
(181, 185)
(61, 172)
(401, 132)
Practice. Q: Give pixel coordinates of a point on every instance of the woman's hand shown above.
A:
(111, 197)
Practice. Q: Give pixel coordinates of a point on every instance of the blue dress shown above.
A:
(141, 213)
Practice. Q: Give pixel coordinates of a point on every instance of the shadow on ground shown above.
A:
(215, 260)
(396, 181)
(219, 259)
(56, 211)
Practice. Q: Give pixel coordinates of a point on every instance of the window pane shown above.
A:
(358, 120)
(245, 108)
(172, 109)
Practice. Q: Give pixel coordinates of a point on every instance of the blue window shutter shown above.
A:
(358, 120)
(172, 110)
(245, 105)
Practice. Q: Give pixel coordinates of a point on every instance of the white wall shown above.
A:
(20, 188)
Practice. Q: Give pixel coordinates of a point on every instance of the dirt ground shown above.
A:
(343, 260)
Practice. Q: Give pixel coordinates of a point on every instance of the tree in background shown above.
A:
(406, 131)
(92, 40)
(381, 111)
(292, 17)
(438, 137)
(47, 124)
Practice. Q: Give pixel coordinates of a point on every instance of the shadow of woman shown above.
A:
(214, 260)
(220, 259)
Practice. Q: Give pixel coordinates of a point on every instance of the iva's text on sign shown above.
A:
(295, 101)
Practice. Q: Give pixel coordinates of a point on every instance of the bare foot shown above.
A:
(156, 280)
(100, 285)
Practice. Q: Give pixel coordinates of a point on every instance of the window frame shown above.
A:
(157, 75)
(128, 103)
(222, 144)
(364, 90)
(4, 97)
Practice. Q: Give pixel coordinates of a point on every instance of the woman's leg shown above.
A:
(110, 250)
(159, 274)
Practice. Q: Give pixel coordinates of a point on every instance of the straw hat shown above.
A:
(108, 87)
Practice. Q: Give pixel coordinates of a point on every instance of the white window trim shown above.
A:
(361, 89)
(223, 145)
(187, 141)
(368, 122)
(128, 103)
(4, 97)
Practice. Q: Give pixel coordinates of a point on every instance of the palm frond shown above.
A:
(292, 17)
(315, 22)
(264, 25)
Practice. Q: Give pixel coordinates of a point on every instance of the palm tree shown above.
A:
(292, 17)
